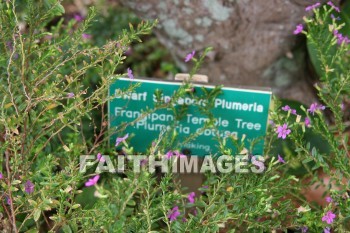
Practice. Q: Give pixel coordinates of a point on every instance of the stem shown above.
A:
(12, 209)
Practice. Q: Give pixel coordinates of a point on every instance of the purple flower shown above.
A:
(173, 214)
(100, 158)
(328, 217)
(335, 18)
(86, 36)
(1, 176)
(176, 153)
(314, 107)
(122, 139)
(286, 108)
(184, 219)
(195, 212)
(204, 189)
(190, 56)
(8, 200)
(280, 159)
(327, 230)
(283, 131)
(333, 6)
(92, 181)
(78, 17)
(9, 45)
(179, 155)
(169, 154)
(340, 38)
(70, 95)
(329, 199)
(304, 229)
(143, 162)
(342, 106)
(130, 75)
(191, 197)
(271, 122)
(29, 187)
(299, 28)
(128, 51)
(309, 8)
(307, 122)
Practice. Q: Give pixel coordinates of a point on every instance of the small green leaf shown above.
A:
(66, 229)
(37, 214)
(307, 160)
(16, 182)
(75, 206)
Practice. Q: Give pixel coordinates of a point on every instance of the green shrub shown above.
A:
(48, 120)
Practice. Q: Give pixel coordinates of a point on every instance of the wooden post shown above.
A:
(199, 78)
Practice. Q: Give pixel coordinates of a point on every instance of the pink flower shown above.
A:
(169, 154)
(190, 56)
(329, 199)
(29, 187)
(280, 159)
(179, 155)
(8, 200)
(128, 51)
(340, 38)
(328, 217)
(307, 122)
(299, 28)
(100, 158)
(173, 214)
(191, 197)
(333, 6)
(86, 36)
(304, 229)
(122, 139)
(143, 162)
(335, 18)
(78, 17)
(314, 107)
(286, 108)
(70, 95)
(195, 212)
(204, 189)
(283, 131)
(176, 153)
(1, 176)
(92, 181)
(327, 230)
(309, 8)
(130, 75)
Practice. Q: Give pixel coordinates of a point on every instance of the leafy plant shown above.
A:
(48, 121)
(44, 109)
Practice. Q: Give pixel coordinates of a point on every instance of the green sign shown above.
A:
(239, 113)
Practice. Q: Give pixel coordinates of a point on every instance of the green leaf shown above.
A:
(37, 214)
(307, 160)
(66, 229)
(16, 182)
